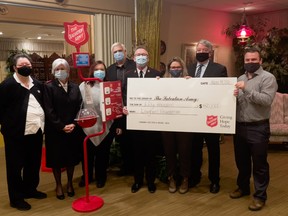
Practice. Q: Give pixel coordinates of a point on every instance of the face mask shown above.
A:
(99, 74)
(201, 57)
(61, 74)
(175, 73)
(141, 60)
(251, 67)
(119, 56)
(24, 71)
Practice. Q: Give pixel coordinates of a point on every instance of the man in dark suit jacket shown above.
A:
(144, 142)
(206, 68)
(22, 124)
(115, 72)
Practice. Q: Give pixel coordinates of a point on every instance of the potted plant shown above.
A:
(9, 62)
(274, 51)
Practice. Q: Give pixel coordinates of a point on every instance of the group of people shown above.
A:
(29, 108)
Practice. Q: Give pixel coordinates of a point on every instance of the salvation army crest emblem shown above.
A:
(212, 120)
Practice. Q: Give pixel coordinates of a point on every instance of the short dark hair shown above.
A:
(91, 71)
(252, 50)
(21, 55)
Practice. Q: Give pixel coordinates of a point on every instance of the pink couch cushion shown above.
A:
(279, 129)
(285, 108)
(277, 110)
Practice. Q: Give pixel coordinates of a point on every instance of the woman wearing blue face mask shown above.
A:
(63, 137)
(177, 145)
(98, 147)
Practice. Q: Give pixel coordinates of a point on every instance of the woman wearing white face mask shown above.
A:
(98, 147)
(63, 137)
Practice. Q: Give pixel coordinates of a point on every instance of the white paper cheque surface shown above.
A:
(178, 104)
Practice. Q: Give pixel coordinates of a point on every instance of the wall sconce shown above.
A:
(244, 31)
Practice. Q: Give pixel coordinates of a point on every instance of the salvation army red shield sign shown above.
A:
(212, 121)
(76, 33)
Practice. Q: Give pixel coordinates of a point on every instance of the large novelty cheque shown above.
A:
(178, 104)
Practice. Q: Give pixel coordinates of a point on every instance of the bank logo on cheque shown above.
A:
(211, 120)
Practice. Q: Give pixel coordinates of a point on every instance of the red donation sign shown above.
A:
(76, 33)
(111, 100)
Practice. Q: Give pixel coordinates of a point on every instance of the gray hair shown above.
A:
(206, 43)
(118, 44)
(60, 61)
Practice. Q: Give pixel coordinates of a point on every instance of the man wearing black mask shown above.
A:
(255, 91)
(205, 67)
(22, 126)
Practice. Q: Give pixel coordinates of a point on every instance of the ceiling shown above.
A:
(14, 30)
(236, 6)
(31, 32)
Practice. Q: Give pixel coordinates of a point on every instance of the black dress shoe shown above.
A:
(21, 205)
(135, 187)
(71, 193)
(100, 184)
(60, 197)
(214, 188)
(152, 188)
(36, 195)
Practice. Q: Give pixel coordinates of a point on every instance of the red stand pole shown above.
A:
(88, 203)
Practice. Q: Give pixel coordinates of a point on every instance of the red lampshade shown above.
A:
(244, 32)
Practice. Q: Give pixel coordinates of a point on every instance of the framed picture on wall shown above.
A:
(188, 53)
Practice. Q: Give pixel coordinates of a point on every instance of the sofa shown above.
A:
(279, 119)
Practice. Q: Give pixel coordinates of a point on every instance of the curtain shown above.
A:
(40, 47)
(108, 30)
(148, 13)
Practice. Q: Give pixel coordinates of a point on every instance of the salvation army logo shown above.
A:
(76, 33)
(212, 121)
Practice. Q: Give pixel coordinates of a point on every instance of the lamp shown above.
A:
(244, 31)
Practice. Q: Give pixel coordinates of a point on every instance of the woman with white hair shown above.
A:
(63, 137)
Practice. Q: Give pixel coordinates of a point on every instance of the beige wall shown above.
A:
(185, 25)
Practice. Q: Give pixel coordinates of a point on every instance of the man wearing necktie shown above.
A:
(144, 142)
(205, 67)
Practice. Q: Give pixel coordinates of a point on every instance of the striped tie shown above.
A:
(198, 73)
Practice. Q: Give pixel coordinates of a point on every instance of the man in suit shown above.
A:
(144, 142)
(22, 124)
(115, 72)
(205, 67)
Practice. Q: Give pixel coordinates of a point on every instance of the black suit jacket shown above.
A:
(213, 70)
(150, 73)
(14, 103)
(111, 74)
